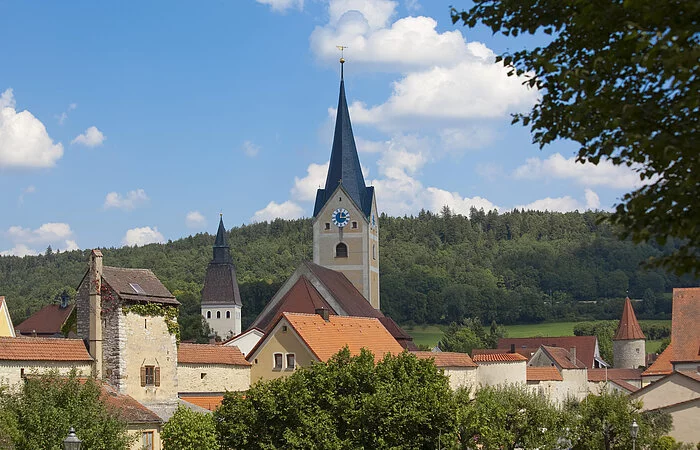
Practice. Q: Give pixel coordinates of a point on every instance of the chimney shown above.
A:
(323, 312)
(572, 351)
(512, 348)
(95, 311)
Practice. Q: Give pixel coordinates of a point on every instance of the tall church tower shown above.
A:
(221, 300)
(346, 226)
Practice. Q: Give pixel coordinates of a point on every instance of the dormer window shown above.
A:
(341, 250)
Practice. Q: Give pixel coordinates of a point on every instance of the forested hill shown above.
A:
(435, 268)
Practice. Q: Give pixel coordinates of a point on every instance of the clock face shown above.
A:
(340, 217)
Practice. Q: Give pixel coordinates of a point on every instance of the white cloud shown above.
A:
(283, 5)
(195, 219)
(605, 173)
(91, 138)
(56, 234)
(71, 245)
(447, 98)
(305, 188)
(24, 142)
(250, 149)
(273, 210)
(412, 5)
(132, 199)
(19, 250)
(565, 204)
(142, 236)
(375, 12)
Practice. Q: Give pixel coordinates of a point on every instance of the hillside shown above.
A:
(516, 267)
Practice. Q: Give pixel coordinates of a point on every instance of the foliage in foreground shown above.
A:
(621, 79)
(188, 429)
(40, 414)
(349, 402)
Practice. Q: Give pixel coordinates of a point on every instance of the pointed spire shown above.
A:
(221, 248)
(345, 163)
(629, 328)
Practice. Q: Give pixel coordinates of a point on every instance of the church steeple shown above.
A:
(344, 167)
(222, 255)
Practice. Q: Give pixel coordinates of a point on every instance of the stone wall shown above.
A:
(212, 378)
(82, 304)
(629, 354)
(114, 348)
(501, 373)
(11, 371)
(461, 376)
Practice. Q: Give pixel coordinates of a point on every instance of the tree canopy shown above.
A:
(621, 79)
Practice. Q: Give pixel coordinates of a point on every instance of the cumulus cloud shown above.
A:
(250, 149)
(605, 173)
(24, 142)
(195, 219)
(273, 210)
(565, 204)
(283, 5)
(91, 138)
(142, 236)
(56, 234)
(305, 188)
(132, 199)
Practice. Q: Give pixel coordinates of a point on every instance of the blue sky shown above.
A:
(132, 122)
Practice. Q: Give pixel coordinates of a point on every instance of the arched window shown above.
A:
(218, 314)
(228, 314)
(208, 314)
(341, 250)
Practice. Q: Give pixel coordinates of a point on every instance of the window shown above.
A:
(354, 224)
(374, 251)
(150, 376)
(278, 361)
(218, 314)
(202, 375)
(147, 440)
(328, 225)
(138, 289)
(291, 361)
(228, 314)
(284, 328)
(208, 314)
(145, 324)
(341, 250)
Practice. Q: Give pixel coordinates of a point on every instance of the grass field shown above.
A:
(431, 334)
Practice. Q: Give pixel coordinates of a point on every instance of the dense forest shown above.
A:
(515, 267)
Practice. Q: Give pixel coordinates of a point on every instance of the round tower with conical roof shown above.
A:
(629, 342)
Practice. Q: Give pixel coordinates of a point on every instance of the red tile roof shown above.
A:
(498, 357)
(598, 375)
(210, 402)
(447, 359)
(543, 374)
(662, 365)
(563, 358)
(628, 328)
(42, 349)
(127, 408)
(325, 339)
(210, 354)
(47, 321)
(685, 329)
(585, 346)
(302, 297)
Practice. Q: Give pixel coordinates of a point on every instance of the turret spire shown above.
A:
(221, 248)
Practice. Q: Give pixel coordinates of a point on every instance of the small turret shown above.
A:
(629, 342)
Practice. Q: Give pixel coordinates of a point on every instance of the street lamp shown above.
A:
(71, 442)
(634, 429)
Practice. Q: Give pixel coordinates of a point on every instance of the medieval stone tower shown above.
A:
(221, 300)
(345, 222)
(629, 348)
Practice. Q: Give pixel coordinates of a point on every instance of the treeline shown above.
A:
(515, 267)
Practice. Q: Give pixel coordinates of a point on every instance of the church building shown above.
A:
(221, 299)
(345, 223)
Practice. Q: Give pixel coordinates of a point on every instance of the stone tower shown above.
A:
(629, 342)
(221, 300)
(345, 222)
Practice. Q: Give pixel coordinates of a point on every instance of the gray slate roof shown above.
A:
(124, 282)
(220, 282)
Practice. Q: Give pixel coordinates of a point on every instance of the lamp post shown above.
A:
(71, 442)
(634, 429)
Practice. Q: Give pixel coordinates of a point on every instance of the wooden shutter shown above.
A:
(156, 375)
(143, 376)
